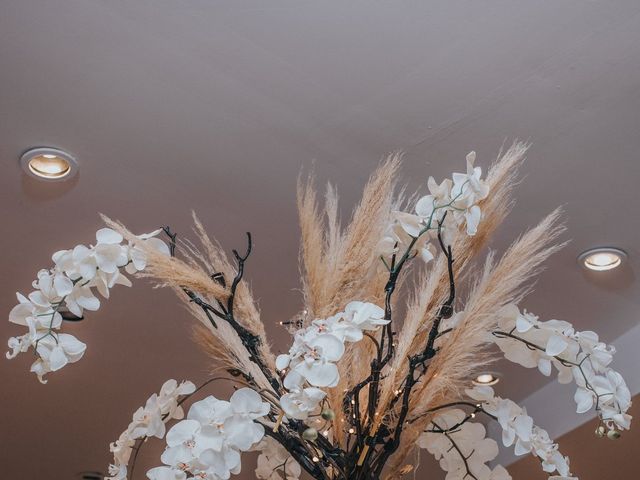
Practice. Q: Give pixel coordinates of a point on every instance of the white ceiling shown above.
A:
(217, 105)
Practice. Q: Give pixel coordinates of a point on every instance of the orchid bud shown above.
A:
(310, 434)
(613, 434)
(328, 414)
(600, 431)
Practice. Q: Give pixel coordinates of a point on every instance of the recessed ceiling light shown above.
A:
(600, 259)
(49, 164)
(486, 379)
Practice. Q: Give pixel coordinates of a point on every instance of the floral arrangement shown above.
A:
(383, 351)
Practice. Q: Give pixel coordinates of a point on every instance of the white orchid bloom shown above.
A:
(137, 250)
(429, 210)
(248, 403)
(166, 473)
(316, 365)
(300, 403)
(81, 298)
(311, 358)
(232, 423)
(240, 430)
(311, 355)
(460, 197)
(275, 463)
(70, 284)
(472, 216)
(578, 356)
(440, 193)
(103, 282)
(402, 232)
(600, 354)
(473, 450)
(168, 397)
(210, 411)
(186, 440)
(108, 253)
(500, 473)
(117, 472)
(54, 350)
(52, 286)
(76, 263)
(147, 420)
(43, 315)
(364, 315)
(337, 325)
(122, 449)
(469, 188)
(518, 428)
(209, 450)
(219, 465)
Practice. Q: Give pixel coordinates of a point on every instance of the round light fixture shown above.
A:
(601, 259)
(49, 164)
(486, 379)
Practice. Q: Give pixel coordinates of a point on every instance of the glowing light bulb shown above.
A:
(486, 379)
(601, 259)
(48, 163)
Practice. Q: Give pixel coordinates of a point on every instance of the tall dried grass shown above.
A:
(340, 264)
(194, 273)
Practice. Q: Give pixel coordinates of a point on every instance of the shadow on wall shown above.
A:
(42, 191)
(614, 280)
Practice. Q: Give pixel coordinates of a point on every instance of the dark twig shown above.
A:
(250, 340)
(457, 449)
(419, 360)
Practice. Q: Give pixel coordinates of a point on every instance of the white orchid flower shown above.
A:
(440, 193)
(240, 430)
(402, 232)
(234, 420)
(473, 450)
(43, 315)
(166, 473)
(219, 464)
(468, 188)
(248, 403)
(54, 350)
(578, 356)
(275, 463)
(472, 216)
(71, 284)
(316, 365)
(210, 411)
(186, 440)
(600, 354)
(300, 403)
(137, 250)
(122, 448)
(81, 298)
(364, 315)
(518, 428)
(337, 325)
(147, 420)
(168, 397)
(108, 253)
(103, 282)
(117, 472)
